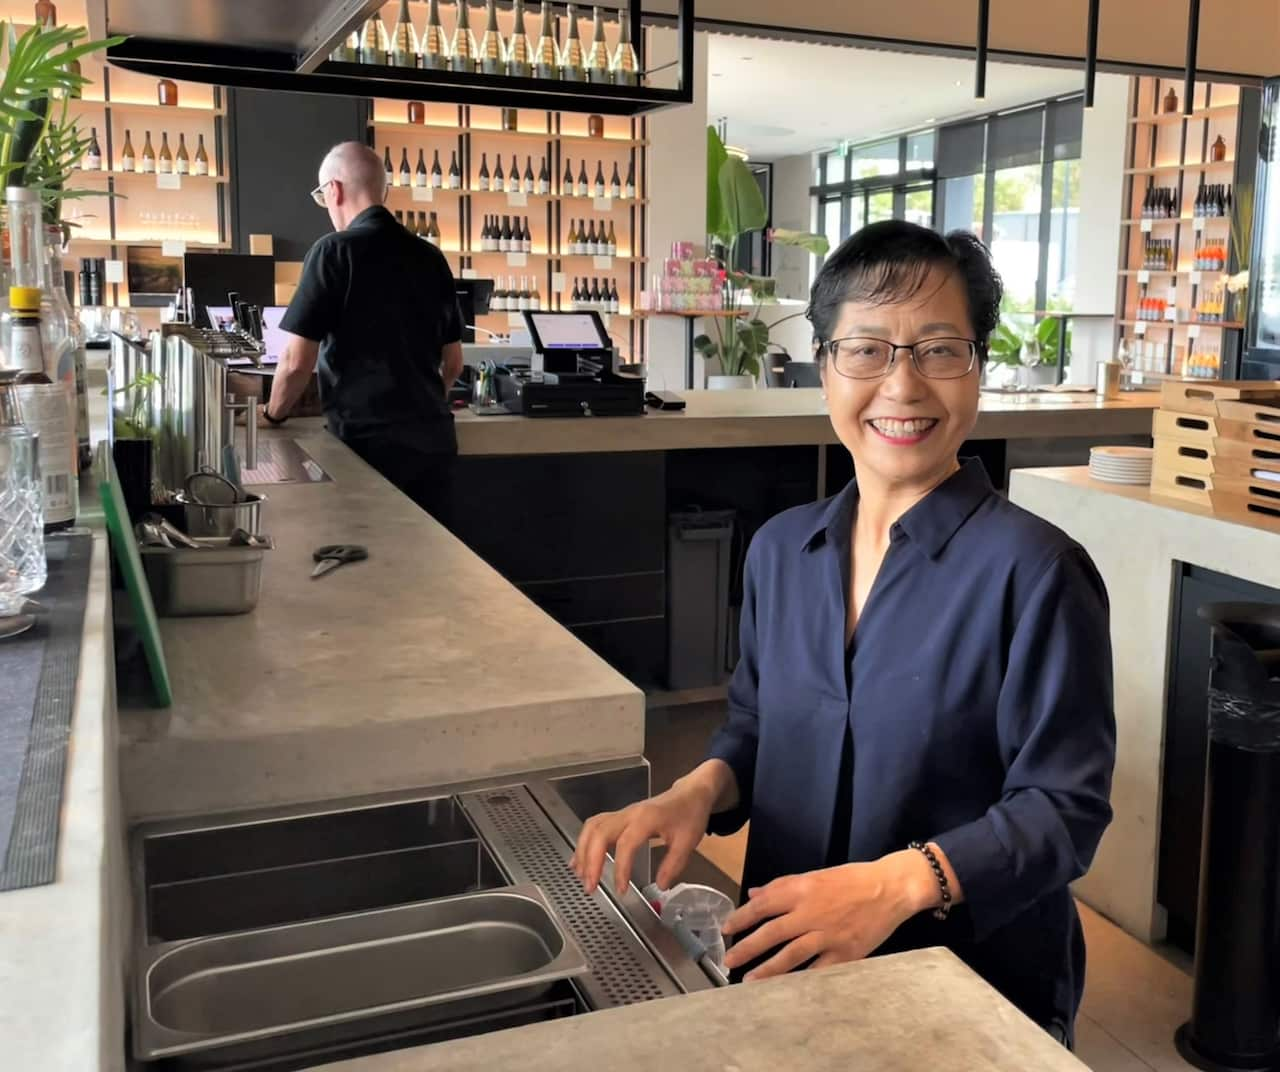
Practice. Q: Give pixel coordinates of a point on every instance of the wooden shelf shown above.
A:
(1174, 219)
(1173, 271)
(1160, 169)
(216, 180)
(174, 109)
(1235, 324)
(442, 130)
(1165, 118)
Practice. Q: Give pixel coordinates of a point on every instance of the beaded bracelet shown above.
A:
(940, 875)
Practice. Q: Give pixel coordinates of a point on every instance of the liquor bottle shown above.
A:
(566, 187)
(499, 182)
(420, 170)
(182, 162)
(406, 175)
(572, 61)
(462, 56)
(513, 176)
(482, 180)
(127, 159)
(455, 172)
(434, 46)
(599, 188)
(437, 175)
(433, 231)
(374, 43)
(584, 187)
(404, 42)
(93, 155)
(1171, 100)
(202, 157)
(611, 243)
(546, 57)
(492, 53)
(626, 65)
(598, 57)
(528, 236)
(615, 183)
(1218, 151)
(544, 178)
(386, 167)
(519, 54)
(530, 183)
(148, 156)
(629, 187)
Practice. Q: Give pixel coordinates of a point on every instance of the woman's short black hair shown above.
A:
(891, 261)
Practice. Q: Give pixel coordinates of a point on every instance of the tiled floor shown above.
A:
(1134, 999)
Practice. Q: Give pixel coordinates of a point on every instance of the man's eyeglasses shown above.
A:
(317, 195)
(870, 359)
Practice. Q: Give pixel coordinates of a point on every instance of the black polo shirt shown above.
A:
(381, 303)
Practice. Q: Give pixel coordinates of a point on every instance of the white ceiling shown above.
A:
(787, 97)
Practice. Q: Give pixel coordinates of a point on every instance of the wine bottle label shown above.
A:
(435, 181)
(92, 162)
(542, 186)
(599, 189)
(482, 183)
(391, 178)
(630, 190)
(148, 166)
(202, 167)
(492, 66)
(582, 190)
(48, 410)
(546, 70)
(454, 182)
(182, 167)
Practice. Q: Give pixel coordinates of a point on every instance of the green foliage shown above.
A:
(740, 346)
(131, 420)
(716, 156)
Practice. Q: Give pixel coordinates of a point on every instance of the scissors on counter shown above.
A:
(331, 556)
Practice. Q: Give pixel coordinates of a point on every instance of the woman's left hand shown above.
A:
(837, 914)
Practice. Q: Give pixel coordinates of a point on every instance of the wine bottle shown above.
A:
(615, 302)
(629, 188)
(566, 187)
(598, 57)
(625, 67)
(386, 166)
(522, 295)
(584, 187)
(202, 157)
(182, 161)
(486, 235)
(571, 240)
(374, 43)
(1222, 200)
(574, 296)
(611, 243)
(433, 231)
(482, 180)
(434, 45)
(1226, 201)
(546, 56)
(420, 170)
(406, 175)
(544, 178)
(492, 52)
(455, 172)
(148, 156)
(519, 54)
(505, 245)
(528, 236)
(498, 300)
(595, 293)
(535, 298)
(572, 62)
(615, 183)
(529, 181)
(598, 190)
(128, 161)
(499, 180)
(513, 176)
(462, 56)
(400, 217)
(93, 155)
(437, 175)
(595, 240)
(404, 44)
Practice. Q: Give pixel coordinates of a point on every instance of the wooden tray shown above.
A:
(1254, 500)
(1191, 487)
(1251, 413)
(1203, 397)
(1264, 436)
(1200, 429)
(1175, 456)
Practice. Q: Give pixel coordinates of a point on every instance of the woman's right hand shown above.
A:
(679, 817)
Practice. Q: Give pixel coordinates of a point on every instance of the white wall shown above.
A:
(1102, 158)
(793, 268)
(677, 202)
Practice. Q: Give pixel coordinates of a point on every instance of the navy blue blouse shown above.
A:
(973, 709)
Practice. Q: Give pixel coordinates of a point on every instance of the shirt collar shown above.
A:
(930, 523)
(371, 217)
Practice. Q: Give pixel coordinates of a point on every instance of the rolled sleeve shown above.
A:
(1056, 732)
(737, 741)
(318, 302)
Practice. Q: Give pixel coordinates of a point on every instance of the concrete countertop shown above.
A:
(418, 667)
(1139, 542)
(905, 1013)
(797, 417)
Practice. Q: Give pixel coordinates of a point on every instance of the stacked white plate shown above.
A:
(1121, 465)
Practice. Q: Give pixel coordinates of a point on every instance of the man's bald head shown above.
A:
(356, 180)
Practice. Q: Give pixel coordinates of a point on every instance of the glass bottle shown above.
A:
(387, 167)
(482, 179)
(1171, 100)
(128, 161)
(167, 92)
(462, 56)
(148, 156)
(519, 51)
(572, 61)
(182, 161)
(406, 175)
(46, 13)
(437, 175)
(92, 160)
(455, 172)
(374, 42)
(433, 231)
(1218, 152)
(434, 45)
(492, 51)
(404, 44)
(22, 563)
(615, 182)
(349, 50)
(164, 163)
(598, 57)
(626, 65)
(202, 157)
(546, 57)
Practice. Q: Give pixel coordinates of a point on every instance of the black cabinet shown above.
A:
(1186, 740)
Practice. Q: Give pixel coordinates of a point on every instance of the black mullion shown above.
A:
(1046, 215)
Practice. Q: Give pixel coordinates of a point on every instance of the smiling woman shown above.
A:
(920, 727)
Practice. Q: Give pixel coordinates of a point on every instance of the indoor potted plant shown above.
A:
(735, 207)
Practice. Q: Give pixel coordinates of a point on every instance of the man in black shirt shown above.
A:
(376, 308)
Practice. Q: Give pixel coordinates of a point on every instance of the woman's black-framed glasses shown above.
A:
(870, 359)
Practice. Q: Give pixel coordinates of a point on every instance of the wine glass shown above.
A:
(1030, 357)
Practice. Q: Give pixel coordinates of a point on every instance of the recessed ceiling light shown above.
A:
(959, 83)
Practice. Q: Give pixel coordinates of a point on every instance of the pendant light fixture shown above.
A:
(980, 69)
(1091, 52)
(1193, 39)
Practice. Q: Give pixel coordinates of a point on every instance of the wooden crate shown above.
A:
(1176, 456)
(1262, 436)
(1251, 413)
(1198, 429)
(1191, 487)
(1203, 397)
(1265, 453)
(1246, 499)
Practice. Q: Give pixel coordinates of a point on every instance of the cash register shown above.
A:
(572, 373)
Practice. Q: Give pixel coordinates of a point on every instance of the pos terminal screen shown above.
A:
(568, 331)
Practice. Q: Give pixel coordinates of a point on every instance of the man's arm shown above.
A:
(450, 364)
(297, 366)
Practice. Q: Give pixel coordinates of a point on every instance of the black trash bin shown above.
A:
(699, 552)
(1235, 1012)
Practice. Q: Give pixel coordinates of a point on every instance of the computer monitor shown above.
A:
(273, 337)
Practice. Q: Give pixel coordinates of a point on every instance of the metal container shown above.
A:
(202, 520)
(252, 985)
(1108, 384)
(217, 579)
